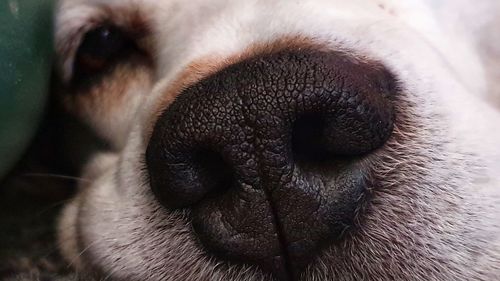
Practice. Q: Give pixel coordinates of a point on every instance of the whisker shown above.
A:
(57, 176)
(73, 260)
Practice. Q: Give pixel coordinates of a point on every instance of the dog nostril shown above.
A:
(308, 139)
(183, 182)
(215, 174)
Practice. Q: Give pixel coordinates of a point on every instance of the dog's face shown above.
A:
(290, 140)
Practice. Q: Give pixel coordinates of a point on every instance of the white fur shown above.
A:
(437, 215)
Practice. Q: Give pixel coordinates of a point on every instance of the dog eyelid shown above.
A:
(100, 49)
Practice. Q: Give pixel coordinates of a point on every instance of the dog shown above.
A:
(284, 140)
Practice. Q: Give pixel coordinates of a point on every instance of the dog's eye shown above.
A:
(100, 49)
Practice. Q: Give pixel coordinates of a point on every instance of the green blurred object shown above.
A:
(25, 57)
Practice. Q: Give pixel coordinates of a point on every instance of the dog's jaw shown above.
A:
(435, 214)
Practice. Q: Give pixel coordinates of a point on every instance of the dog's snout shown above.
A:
(269, 154)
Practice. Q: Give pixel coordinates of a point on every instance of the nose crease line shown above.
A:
(252, 119)
(278, 228)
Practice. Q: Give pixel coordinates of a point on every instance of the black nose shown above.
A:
(268, 154)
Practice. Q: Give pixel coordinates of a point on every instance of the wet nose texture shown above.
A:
(267, 154)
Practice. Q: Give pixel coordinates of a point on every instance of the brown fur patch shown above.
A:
(108, 93)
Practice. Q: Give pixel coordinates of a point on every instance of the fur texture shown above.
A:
(435, 214)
